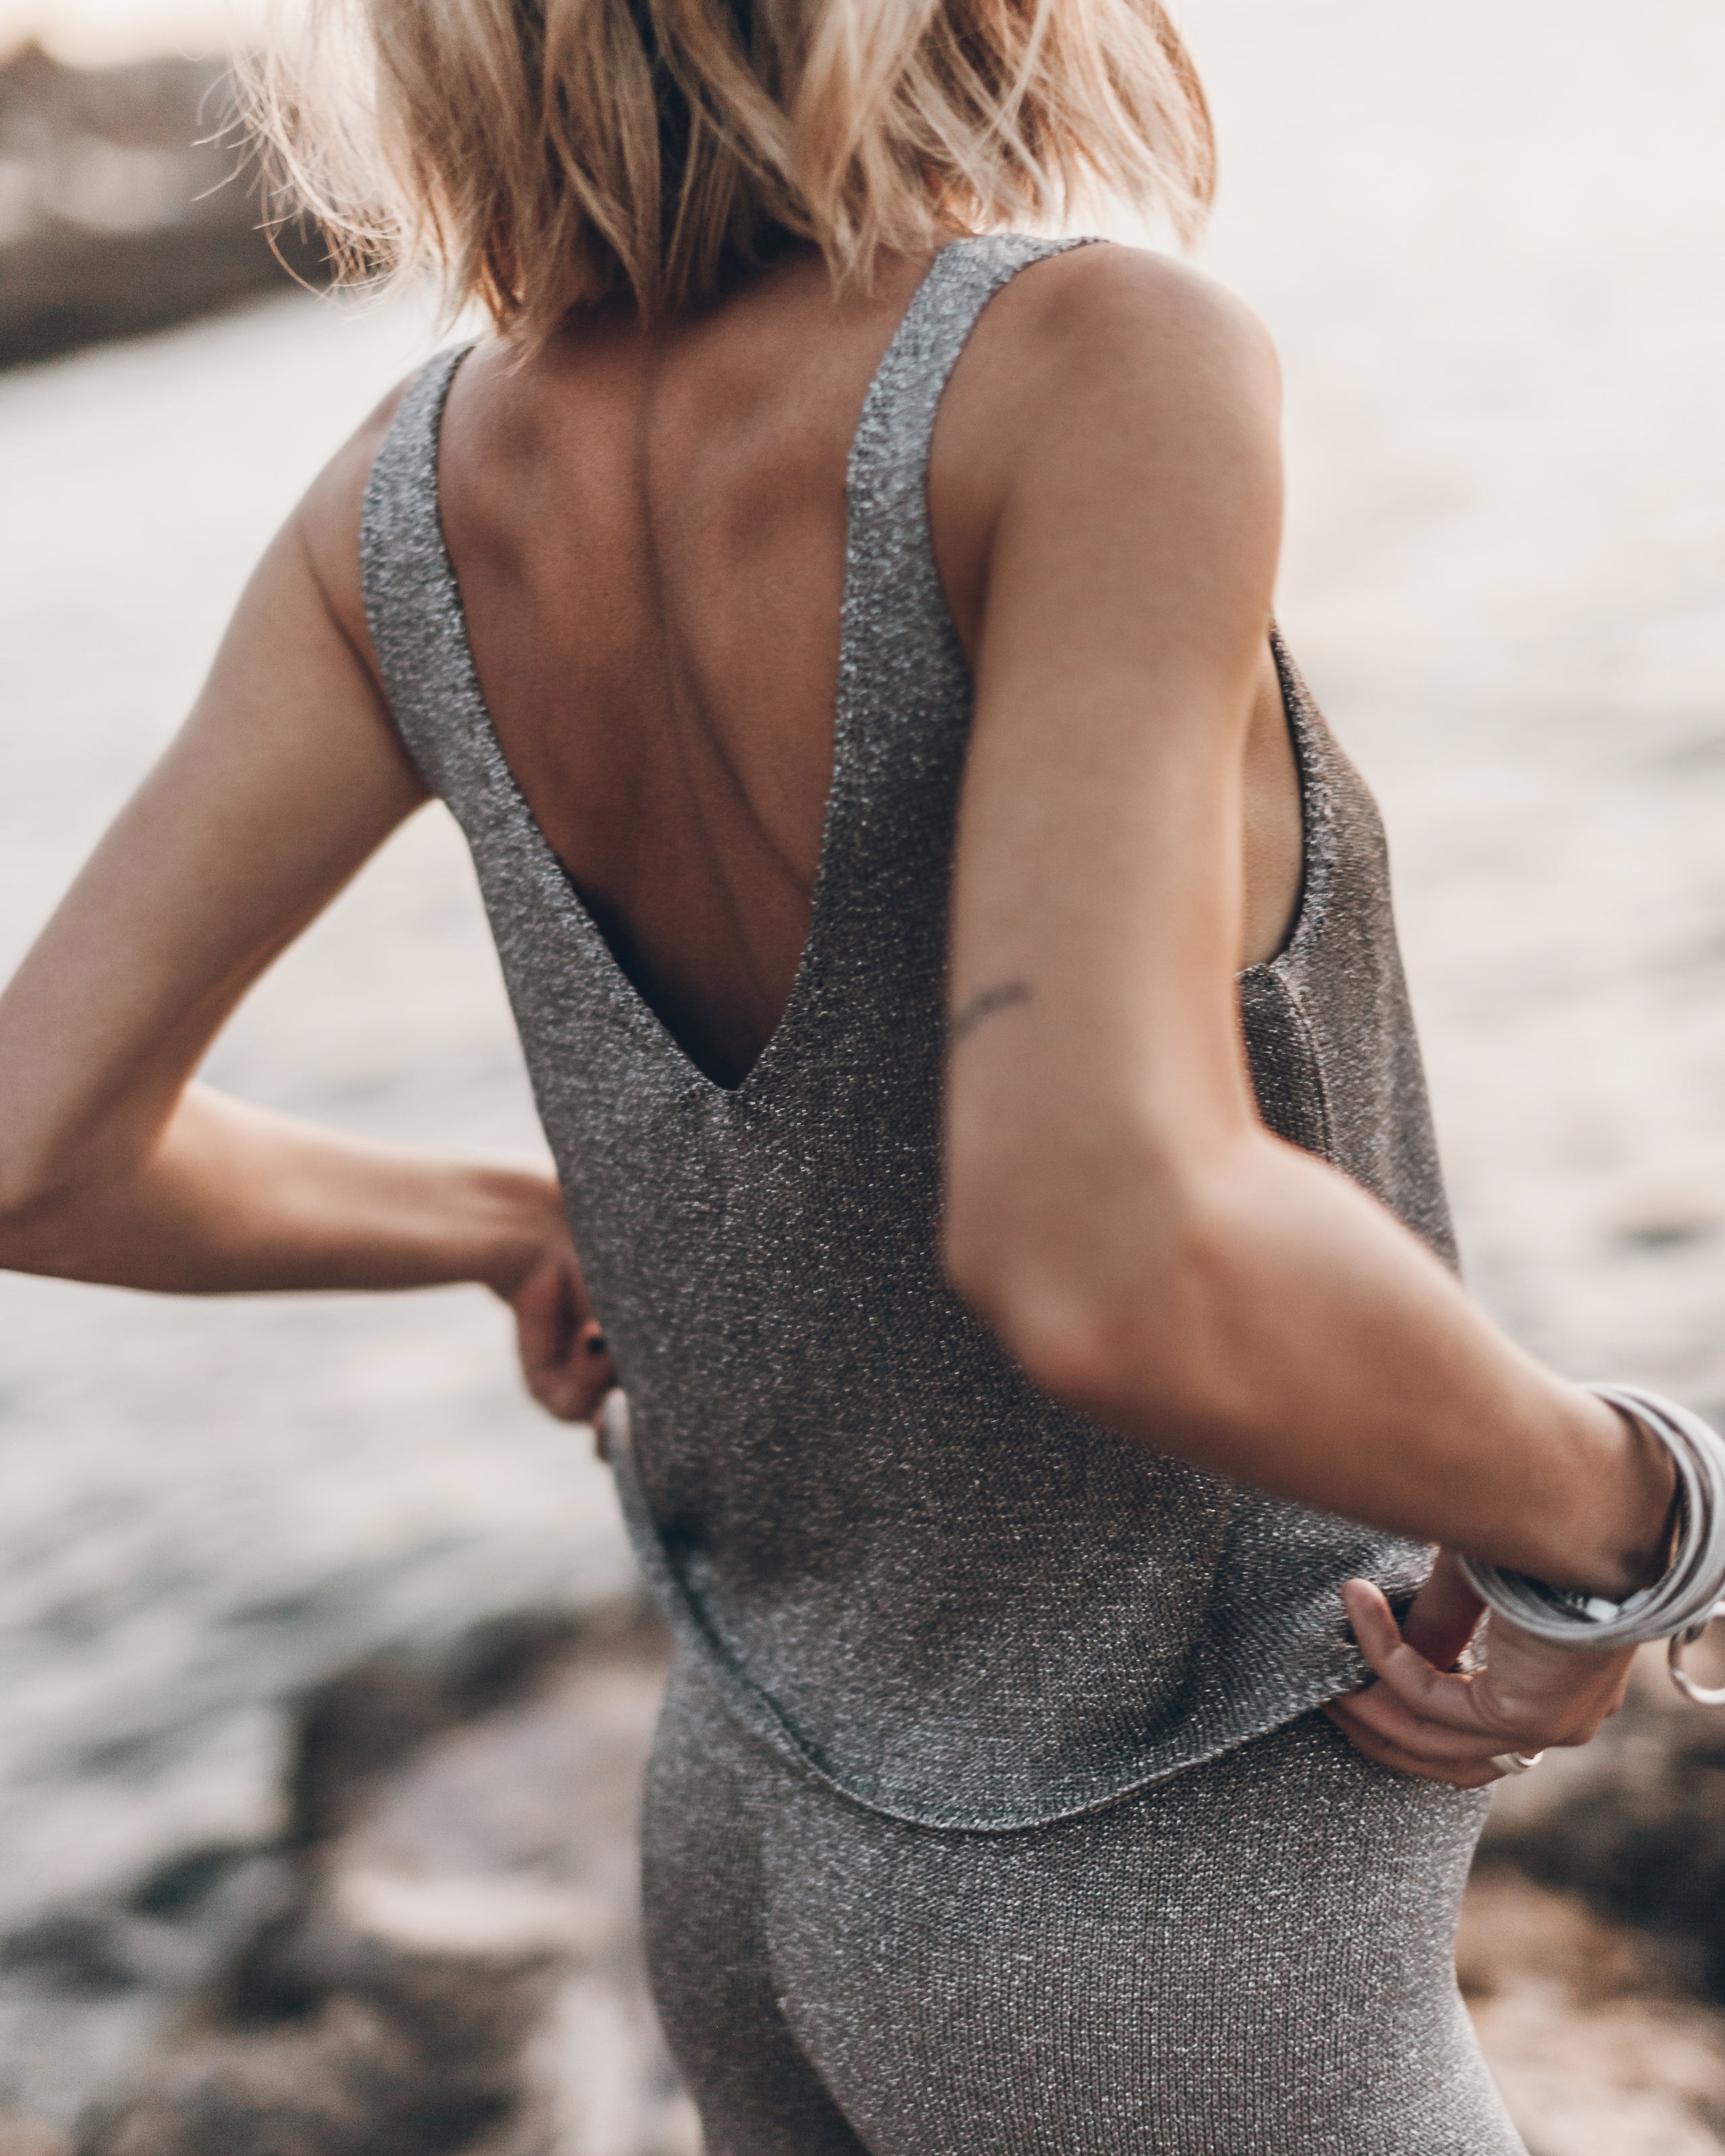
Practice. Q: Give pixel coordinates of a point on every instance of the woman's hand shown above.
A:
(564, 1357)
(1422, 1717)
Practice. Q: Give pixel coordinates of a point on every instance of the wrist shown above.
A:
(518, 1218)
(1648, 1521)
(1685, 1592)
(1629, 1491)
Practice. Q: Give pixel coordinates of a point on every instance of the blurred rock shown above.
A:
(127, 202)
(410, 2054)
(1593, 1945)
(1635, 1824)
(438, 1956)
(1587, 2025)
(18, 2138)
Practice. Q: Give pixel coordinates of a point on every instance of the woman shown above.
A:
(955, 967)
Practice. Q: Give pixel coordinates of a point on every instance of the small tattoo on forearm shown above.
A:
(1004, 995)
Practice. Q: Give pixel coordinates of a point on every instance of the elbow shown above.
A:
(33, 1200)
(1122, 1312)
(1071, 1346)
(24, 1196)
(1046, 1323)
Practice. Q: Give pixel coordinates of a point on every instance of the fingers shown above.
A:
(574, 1386)
(1455, 1774)
(563, 1354)
(1391, 1721)
(1384, 1722)
(1448, 1726)
(1374, 1626)
(592, 1377)
(1430, 1695)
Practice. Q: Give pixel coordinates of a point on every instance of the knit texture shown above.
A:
(904, 1569)
(1251, 1958)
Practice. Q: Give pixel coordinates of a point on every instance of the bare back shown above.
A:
(649, 533)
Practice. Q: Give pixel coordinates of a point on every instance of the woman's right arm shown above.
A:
(1115, 1207)
(114, 1165)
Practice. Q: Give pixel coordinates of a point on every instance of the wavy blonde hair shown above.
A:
(544, 155)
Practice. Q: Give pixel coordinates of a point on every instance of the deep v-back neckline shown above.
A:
(622, 991)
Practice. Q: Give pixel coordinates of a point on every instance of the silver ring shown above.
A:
(1516, 1762)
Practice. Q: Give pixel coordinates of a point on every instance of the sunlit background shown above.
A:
(101, 33)
(1490, 239)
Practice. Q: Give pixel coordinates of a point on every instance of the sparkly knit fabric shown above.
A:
(914, 1578)
(1251, 1959)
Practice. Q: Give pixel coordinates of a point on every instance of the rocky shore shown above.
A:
(437, 1955)
(127, 202)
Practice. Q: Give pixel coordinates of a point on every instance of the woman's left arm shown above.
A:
(113, 1166)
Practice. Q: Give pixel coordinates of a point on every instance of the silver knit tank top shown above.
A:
(908, 1571)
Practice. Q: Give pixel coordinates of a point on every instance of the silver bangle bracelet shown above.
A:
(1682, 1603)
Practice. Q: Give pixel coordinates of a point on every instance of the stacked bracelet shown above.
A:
(1686, 1598)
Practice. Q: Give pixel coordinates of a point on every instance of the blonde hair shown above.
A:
(545, 155)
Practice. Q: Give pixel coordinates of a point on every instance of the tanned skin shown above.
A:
(648, 530)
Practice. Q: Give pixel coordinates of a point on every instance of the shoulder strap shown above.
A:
(902, 719)
(887, 480)
(413, 603)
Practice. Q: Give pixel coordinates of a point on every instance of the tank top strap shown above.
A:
(412, 601)
(887, 483)
(902, 716)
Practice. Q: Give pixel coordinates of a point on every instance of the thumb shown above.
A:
(1374, 1620)
(1445, 1615)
